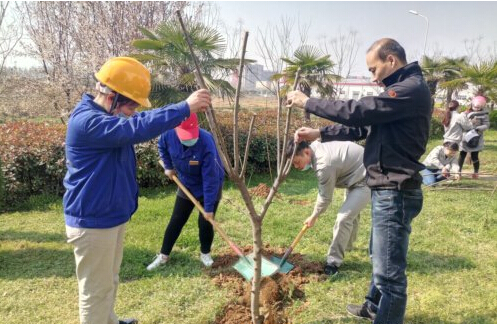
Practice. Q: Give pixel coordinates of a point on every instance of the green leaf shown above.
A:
(147, 44)
(147, 33)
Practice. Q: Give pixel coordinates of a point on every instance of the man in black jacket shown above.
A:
(395, 125)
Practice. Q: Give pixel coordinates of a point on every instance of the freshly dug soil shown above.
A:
(277, 292)
(261, 190)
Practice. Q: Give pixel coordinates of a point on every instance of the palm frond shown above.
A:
(147, 44)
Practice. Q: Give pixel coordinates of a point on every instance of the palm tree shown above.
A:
(445, 73)
(167, 51)
(483, 76)
(452, 77)
(315, 71)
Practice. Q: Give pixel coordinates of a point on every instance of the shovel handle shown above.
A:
(202, 210)
(209, 219)
(299, 236)
(294, 243)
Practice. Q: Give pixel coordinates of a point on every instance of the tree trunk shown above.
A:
(257, 318)
(307, 115)
(448, 97)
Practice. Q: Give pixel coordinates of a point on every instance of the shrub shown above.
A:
(436, 128)
(2, 188)
(148, 170)
(32, 154)
(493, 119)
(32, 157)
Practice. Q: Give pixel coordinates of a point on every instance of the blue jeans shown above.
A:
(430, 176)
(392, 213)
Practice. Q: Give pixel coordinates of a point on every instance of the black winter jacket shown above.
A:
(395, 124)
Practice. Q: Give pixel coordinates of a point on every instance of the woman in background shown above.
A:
(480, 121)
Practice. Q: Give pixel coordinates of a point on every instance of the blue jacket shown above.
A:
(199, 167)
(101, 186)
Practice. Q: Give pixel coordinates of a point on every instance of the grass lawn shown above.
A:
(452, 268)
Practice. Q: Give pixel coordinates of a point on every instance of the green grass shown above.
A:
(452, 262)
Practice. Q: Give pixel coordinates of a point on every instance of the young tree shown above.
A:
(274, 42)
(236, 170)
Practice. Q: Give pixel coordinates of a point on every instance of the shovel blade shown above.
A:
(245, 266)
(285, 267)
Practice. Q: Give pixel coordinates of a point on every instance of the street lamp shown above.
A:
(414, 12)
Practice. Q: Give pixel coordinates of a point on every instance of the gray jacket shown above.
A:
(459, 123)
(480, 122)
(337, 164)
(437, 159)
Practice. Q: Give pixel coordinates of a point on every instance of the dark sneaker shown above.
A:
(330, 269)
(128, 321)
(361, 311)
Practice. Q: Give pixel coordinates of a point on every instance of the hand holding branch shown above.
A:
(306, 134)
(199, 101)
(296, 99)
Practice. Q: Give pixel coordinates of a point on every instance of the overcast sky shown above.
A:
(450, 23)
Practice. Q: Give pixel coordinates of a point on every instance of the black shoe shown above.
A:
(330, 269)
(128, 321)
(361, 311)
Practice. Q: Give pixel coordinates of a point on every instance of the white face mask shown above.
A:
(307, 167)
(122, 115)
(190, 142)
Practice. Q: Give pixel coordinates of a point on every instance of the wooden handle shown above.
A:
(202, 210)
(292, 246)
(299, 236)
(199, 207)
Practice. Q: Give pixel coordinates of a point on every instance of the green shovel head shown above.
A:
(285, 267)
(245, 266)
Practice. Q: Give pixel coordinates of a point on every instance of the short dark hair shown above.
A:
(451, 145)
(122, 98)
(388, 46)
(300, 147)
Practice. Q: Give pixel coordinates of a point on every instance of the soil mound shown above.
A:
(261, 190)
(277, 291)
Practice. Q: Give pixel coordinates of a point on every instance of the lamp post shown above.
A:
(414, 12)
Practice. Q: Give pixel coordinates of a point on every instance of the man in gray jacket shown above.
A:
(336, 164)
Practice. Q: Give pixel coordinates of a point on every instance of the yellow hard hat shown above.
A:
(128, 77)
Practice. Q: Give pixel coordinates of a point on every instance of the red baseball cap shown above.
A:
(188, 129)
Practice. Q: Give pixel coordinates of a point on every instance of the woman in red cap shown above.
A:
(190, 152)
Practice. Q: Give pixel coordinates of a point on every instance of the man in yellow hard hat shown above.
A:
(101, 186)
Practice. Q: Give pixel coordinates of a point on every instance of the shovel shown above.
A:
(283, 266)
(245, 265)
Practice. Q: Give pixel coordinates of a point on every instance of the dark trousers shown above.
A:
(474, 159)
(181, 213)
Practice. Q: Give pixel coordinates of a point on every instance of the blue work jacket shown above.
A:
(101, 185)
(199, 167)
